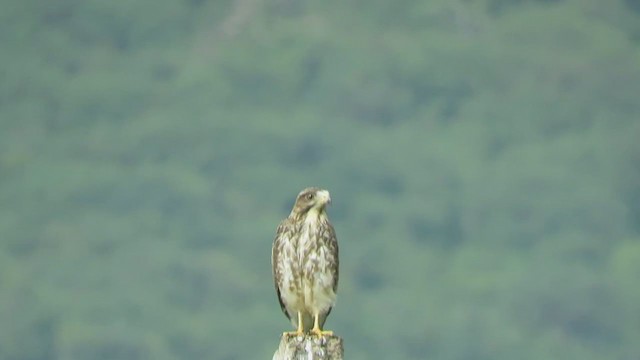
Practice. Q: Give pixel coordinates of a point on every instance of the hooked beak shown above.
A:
(324, 196)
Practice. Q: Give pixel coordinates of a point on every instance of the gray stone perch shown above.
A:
(309, 347)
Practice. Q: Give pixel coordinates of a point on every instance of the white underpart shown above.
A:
(290, 297)
(316, 296)
(318, 293)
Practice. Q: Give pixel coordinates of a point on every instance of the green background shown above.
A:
(483, 158)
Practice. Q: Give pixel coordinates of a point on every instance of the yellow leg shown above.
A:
(316, 328)
(299, 331)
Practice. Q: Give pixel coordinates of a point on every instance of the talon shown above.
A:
(299, 331)
(321, 333)
(293, 333)
(316, 328)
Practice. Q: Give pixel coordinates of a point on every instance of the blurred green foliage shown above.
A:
(483, 157)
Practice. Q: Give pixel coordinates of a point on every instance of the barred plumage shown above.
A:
(304, 259)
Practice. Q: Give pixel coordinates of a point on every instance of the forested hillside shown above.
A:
(483, 158)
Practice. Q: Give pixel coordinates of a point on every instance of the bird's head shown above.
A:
(311, 199)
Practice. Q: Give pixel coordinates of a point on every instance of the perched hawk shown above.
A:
(304, 258)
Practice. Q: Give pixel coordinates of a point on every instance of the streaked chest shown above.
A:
(307, 241)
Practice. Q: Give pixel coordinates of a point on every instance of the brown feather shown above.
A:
(304, 259)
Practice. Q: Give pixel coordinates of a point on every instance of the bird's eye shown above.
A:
(309, 196)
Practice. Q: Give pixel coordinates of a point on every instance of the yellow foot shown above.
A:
(321, 333)
(293, 333)
(299, 331)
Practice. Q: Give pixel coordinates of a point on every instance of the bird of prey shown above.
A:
(304, 258)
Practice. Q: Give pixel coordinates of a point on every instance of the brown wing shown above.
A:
(283, 235)
(331, 242)
(332, 245)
